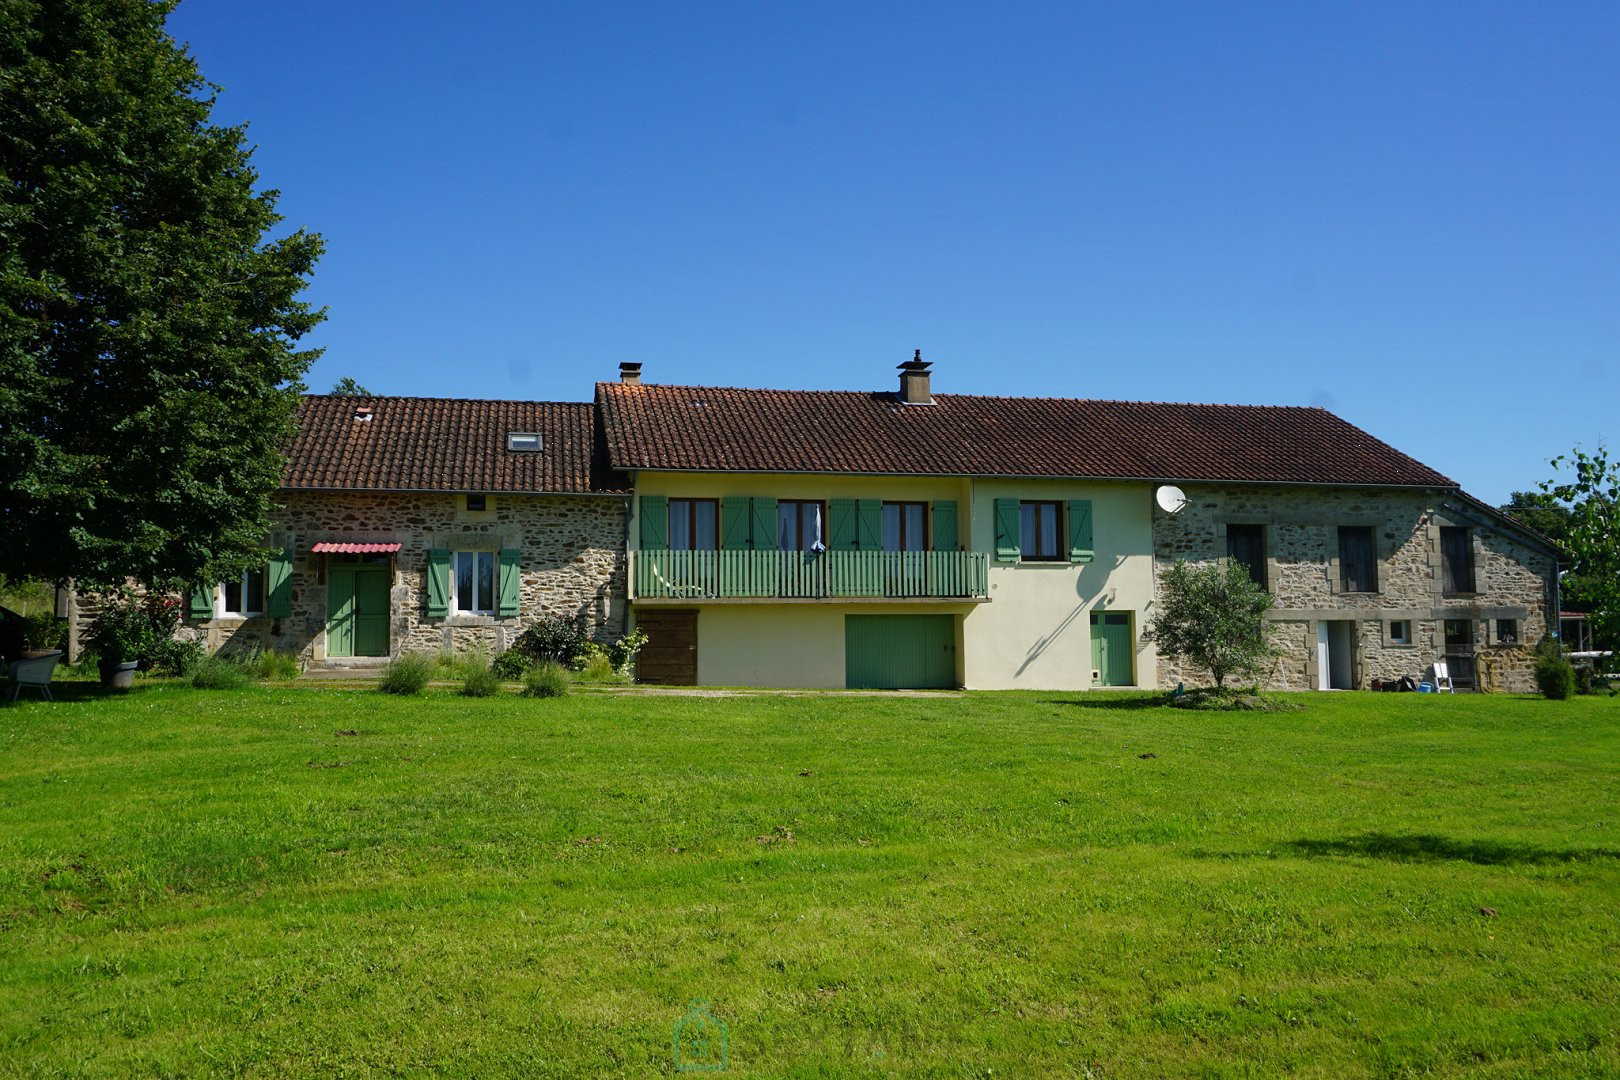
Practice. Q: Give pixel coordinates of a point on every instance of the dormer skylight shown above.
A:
(524, 441)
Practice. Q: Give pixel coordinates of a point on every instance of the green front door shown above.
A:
(899, 652)
(1112, 651)
(357, 610)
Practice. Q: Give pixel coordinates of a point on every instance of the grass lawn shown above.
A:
(289, 881)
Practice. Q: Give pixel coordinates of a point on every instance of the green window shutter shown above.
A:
(202, 602)
(945, 525)
(841, 524)
(278, 584)
(511, 580)
(654, 522)
(438, 583)
(1080, 545)
(764, 524)
(1008, 543)
(869, 533)
(734, 523)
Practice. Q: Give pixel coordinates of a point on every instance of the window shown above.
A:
(477, 502)
(1459, 633)
(692, 524)
(1400, 632)
(1456, 560)
(523, 441)
(474, 583)
(904, 527)
(1038, 528)
(1357, 568)
(244, 595)
(1507, 631)
(798, 525)
(1246, 544)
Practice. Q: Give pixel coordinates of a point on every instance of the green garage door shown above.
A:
(899, 652)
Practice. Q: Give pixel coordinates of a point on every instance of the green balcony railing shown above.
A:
(806, 575)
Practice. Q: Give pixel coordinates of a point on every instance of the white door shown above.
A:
(1324, 657)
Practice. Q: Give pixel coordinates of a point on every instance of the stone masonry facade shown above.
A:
(1513, 579)
(573, 564)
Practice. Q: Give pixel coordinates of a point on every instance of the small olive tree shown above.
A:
(1213, 617)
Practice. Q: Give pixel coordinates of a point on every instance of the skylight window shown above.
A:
(526, 441)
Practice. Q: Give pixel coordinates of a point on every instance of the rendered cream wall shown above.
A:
(787, 644)
(1035, 634)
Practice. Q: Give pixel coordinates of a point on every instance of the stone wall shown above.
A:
(572, 564)
(1513, 579)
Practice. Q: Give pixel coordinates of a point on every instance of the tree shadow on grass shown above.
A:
(1144, 701)
(1424, 847)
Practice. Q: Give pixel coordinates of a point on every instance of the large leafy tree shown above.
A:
(149, 372)
(1586, 491)
(1213, 617)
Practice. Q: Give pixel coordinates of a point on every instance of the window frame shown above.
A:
(1370, 585)
(222, 596)
(901, 507)
(691, 507)
(455, 607)
(1404, 637)
(1259, 574)
(1449, 581)
(1029, 538)
(1496, 629)
(800, 505)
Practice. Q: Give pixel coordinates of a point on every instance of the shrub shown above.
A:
(178, 657)
(407, 674)
(554, 638)
(546, 680)
(130, 629)
(44, 631)
(623, 652)
(1214, 618)
(512, 664)
(1555, 676)
(595, 665)
(481, 682)
(219, 673)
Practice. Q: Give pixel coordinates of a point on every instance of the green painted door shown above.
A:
(899, 652)
(357, 610)
(1112, 652)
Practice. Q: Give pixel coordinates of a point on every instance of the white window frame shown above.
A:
(456, 607)
(220, 608)
(1405, 636)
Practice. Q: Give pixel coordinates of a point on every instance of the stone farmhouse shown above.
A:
(894, 538)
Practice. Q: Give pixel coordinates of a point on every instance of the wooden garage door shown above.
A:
(670, 655)
(899, 652)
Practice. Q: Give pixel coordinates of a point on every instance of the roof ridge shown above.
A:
(415, 397)
(974, 397)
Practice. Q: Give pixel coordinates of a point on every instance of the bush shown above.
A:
(595, 665)
(276, 664)
(44, 631)
(481, 682)
(130, 629)
(178, 657)
(219, 673)
(554, 638)
(1583, 679)
(546, 680)
(512, 664)
(407, 674)
(1555, 676)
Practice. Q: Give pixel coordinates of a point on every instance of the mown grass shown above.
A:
(286, 881)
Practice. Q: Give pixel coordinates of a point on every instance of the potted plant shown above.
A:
(127, 632)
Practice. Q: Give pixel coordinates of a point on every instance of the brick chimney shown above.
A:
(630, 373)
(914, 381)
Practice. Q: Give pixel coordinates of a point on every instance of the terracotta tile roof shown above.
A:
(445, 444)
(721, 428)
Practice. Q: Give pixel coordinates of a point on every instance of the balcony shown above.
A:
(802, 575)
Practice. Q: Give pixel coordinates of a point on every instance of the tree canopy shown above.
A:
(1213, 617)
(148, 324)
(1586, 492)
(347, 387)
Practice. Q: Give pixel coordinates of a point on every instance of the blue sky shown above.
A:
(1406, 213)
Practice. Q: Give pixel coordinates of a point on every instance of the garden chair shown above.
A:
(34, 670)
(1442, 678)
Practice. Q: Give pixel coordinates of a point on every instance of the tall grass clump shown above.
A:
(220, 673)
(480, 681)
(546, 680)
(406, 674)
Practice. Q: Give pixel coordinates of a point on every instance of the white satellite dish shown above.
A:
(1170, 498)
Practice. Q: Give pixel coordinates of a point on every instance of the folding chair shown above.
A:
(1442, 678)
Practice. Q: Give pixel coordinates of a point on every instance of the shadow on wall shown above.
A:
(1422, 847)
(1090, 585)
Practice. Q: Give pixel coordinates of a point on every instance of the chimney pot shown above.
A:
(630, 373)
